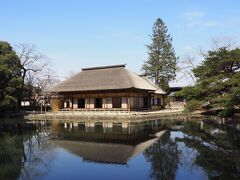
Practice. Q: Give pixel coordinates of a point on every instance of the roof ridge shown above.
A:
(104, 67)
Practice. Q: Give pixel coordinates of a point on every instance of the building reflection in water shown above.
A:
(106, 142)
(28, 150)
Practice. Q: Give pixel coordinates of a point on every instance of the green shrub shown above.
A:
(193, 105)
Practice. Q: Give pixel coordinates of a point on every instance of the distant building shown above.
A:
(107, 87)
(25, 103)
(173, 90)
(175, 102)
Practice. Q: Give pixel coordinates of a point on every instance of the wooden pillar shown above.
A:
(89, 103)
(107, 101)
(86, 101)
(129, 102)
(138, 101)
(104, 100)
(149, 101)
(72, 102)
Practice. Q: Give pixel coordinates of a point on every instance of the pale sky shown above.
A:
(75, 34)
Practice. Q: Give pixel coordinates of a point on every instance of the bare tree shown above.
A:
(226, 42)
(220, 42)
(36, 75)
(40, 84)
(187, 63)
(31, 60)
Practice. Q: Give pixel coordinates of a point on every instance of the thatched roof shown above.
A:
(106, 78)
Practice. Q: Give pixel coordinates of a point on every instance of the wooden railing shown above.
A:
(99, 111)
(96, 110)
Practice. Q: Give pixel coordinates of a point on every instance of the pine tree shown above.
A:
(161, 64)
(218, 84)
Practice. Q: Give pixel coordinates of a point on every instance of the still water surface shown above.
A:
(158, 149)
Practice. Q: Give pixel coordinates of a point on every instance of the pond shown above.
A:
(153, 149)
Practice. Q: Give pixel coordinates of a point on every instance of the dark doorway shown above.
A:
(117, 102)
(145, 102)
(81, 103)
(68, 104)
(158, 101)
(98, 102)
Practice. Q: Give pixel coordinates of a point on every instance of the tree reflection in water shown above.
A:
(189, 149)
(24, 151)
(163, 157)
(218, 148)
(11, 150)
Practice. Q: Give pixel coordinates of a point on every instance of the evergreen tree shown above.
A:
(10, 78)
(161, 64)
(218, 82)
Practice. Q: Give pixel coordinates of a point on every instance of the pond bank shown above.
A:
(119, 116)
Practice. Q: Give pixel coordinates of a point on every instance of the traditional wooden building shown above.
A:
(107, 87)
